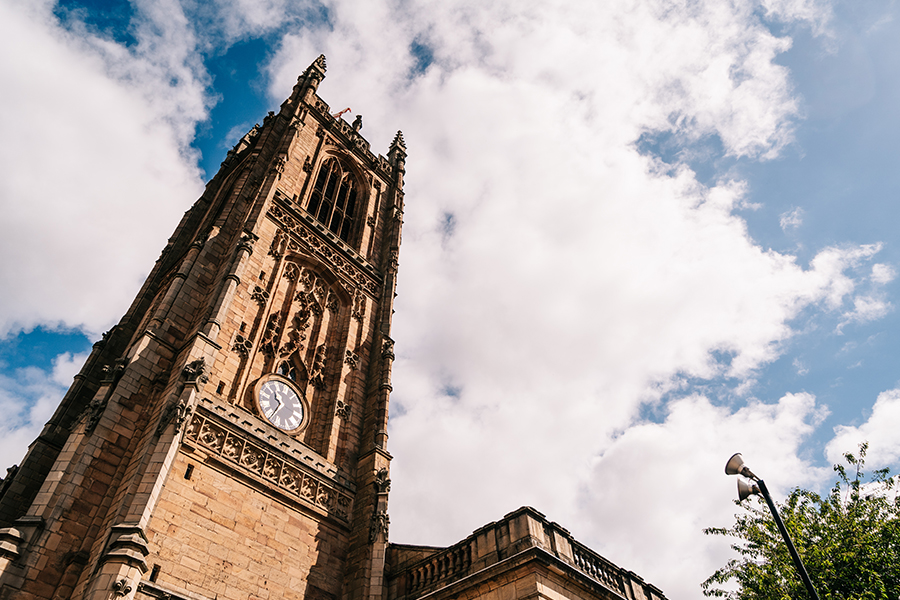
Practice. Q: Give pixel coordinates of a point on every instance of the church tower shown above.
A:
(227, 439)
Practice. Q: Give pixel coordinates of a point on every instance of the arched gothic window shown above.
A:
(333, 199)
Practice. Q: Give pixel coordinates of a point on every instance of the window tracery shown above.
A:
(333, 201)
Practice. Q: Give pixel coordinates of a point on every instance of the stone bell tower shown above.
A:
(227, 439)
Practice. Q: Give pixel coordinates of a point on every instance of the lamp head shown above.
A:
(736, 466)
(745, 490)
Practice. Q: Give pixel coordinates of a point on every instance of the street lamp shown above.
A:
(736, 466)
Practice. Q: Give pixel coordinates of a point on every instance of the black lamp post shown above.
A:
(736, 466)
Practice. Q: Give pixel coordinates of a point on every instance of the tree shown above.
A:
(849, 541)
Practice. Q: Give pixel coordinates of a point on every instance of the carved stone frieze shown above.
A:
(297, 326)
(319, 292)
(321, 106)
(230, 444)
(303, 239)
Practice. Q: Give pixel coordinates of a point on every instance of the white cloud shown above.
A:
(791, 219)
(865, 309)
(882, 273)
(28, 399)
(880, 430)
(101, 137)
(660, 484)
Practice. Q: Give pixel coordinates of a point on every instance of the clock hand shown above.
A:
(269, 414)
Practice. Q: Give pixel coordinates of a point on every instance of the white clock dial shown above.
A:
(280, 403)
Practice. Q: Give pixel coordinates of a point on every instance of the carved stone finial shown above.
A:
(387, 348)
(320, 62)
(380, 524)
(176, 412)
(317, 373)
(246, 242)
(357, 123)
(382, 481)
(398, 141)
(278, 165)
(121, 588)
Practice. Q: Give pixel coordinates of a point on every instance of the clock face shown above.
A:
(279, 403)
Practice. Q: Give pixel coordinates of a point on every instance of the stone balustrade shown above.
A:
(418, 571)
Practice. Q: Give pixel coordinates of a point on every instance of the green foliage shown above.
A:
(849, 541)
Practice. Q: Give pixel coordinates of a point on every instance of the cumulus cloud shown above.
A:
(672, 475)
(101, 141)
(880, 430)
(28, 399)
(865, 309)
(882, 273)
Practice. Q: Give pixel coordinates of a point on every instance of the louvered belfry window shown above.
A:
(333, 199)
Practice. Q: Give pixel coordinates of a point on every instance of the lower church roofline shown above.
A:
(521, 537)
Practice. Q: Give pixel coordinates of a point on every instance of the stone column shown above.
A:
(181, 276)
(232, 280)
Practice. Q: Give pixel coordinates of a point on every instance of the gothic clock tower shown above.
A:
(227, 439)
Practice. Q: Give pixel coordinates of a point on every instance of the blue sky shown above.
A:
(640, 236)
